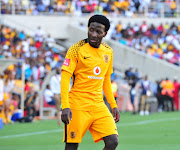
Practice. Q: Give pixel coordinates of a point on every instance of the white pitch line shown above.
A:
(148, 121)
(29, 134)
(61, 130)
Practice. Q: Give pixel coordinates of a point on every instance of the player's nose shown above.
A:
(94, 34)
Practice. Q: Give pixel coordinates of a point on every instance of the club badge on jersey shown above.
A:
(72, 134)
(106, 58)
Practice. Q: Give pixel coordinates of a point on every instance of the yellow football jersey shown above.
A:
(89, 66)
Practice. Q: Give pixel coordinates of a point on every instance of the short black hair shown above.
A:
(100, 19)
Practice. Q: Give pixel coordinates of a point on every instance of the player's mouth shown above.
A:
(93, 41)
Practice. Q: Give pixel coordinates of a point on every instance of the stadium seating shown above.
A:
(45, 104)
(77, 7)
(29, 47)
(160, 41)
(116, 8)
(48, 111)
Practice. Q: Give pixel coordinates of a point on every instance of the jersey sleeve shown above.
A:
(71, 59)
(110, 68)
(65, 80)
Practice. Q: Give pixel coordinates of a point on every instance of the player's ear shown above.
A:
(105, 34)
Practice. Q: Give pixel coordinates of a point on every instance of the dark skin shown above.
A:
(96, 32)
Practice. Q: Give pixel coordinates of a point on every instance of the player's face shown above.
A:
(96, 32)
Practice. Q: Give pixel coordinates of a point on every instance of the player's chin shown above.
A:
(94, 44)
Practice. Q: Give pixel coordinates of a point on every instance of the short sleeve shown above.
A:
(110, 68)
(71, 59)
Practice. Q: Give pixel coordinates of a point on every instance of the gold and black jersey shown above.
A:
(88, 66)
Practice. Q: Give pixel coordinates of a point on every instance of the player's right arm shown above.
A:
(68, 68)
(66, 111)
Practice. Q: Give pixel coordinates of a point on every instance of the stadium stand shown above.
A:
(161, 41)
(40, 58)
(33, 44)
(127, 8)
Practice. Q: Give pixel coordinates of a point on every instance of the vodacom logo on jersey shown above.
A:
(97, 70)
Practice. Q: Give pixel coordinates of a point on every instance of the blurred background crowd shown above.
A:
(162, 41)
(128, 8)
(40, 58)
(133, 90)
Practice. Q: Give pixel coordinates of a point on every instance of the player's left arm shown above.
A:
(108, 91)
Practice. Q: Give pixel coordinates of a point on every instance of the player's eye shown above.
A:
(99, 32)
(91, 29)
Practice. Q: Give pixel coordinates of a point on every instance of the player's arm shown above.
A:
(110, 98)
(108, 91)
(68, 68)
(66, 111)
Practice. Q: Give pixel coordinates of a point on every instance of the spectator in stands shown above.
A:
(30, 102)
(55, 83)
(145, 86)
(49, 41)
(15, 112)
(9, 83)
(176, 93)
(168, 93)
(49, 96)
(159, 96)
(173, 7)
(26, 87)
(39, 34)
(129, 73)
(132, 82)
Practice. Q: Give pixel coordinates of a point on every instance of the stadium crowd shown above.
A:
(40, 58)
(162, 41)
(128, 8)
(165, 92)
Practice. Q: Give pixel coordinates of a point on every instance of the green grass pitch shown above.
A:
(159, 131)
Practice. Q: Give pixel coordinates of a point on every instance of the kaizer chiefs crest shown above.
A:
(72, 134)
(106, 58)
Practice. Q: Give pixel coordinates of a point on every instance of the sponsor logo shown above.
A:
(86, 57)
(94, 77)
(72, 134)
(106, 58)
(66, 62)
(97, 70)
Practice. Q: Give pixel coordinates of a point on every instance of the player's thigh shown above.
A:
(103, 126)
(75, 130)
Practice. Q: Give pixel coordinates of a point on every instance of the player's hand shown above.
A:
(66, 115)
(116, 114)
